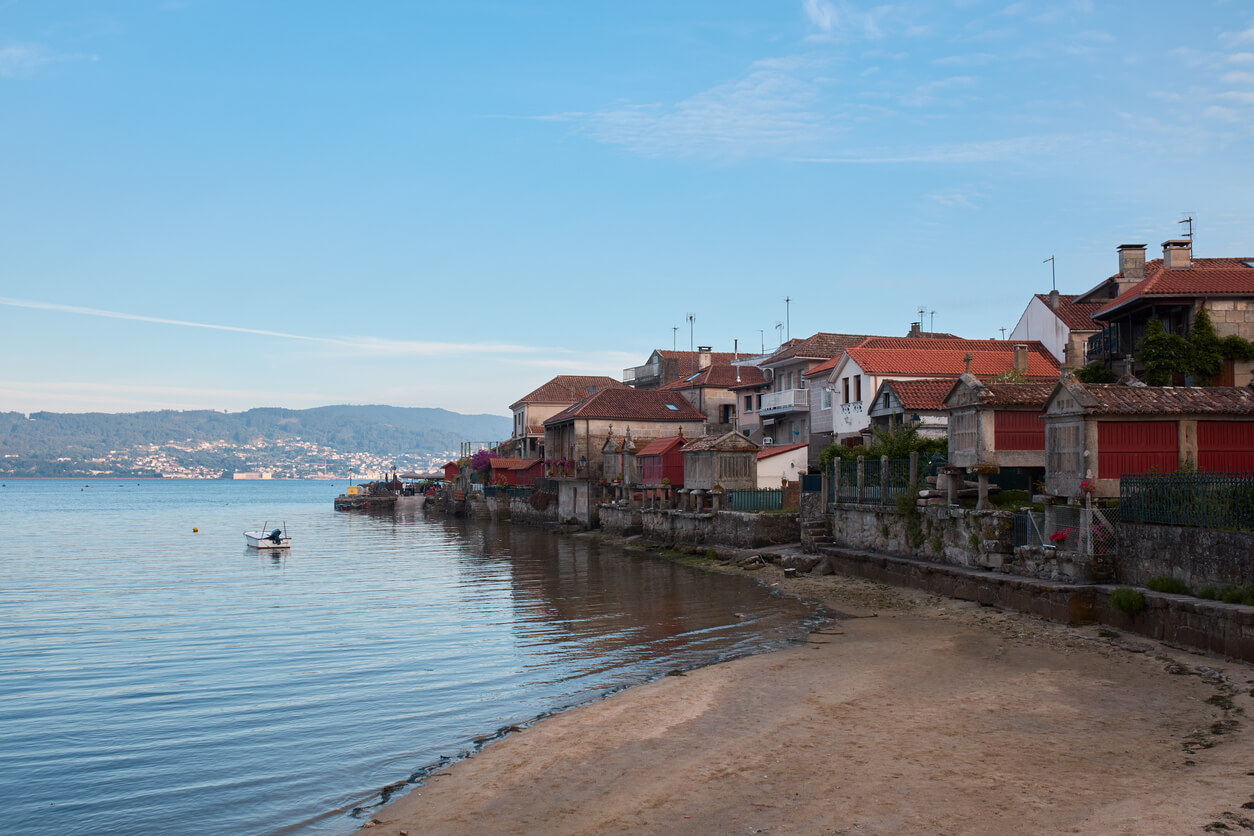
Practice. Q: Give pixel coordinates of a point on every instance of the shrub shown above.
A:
(1172, 586)
(1096, 372)
(1232, 594)
(711, 554)
(1127, 601)
(1210, 592)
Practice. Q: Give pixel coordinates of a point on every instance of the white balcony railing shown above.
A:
(854, 408)
(789, 400)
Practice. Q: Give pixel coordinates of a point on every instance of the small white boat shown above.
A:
(269, 537)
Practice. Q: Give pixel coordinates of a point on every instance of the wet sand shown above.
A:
(908, 714)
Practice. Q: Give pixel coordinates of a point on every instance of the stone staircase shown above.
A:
(814, 534)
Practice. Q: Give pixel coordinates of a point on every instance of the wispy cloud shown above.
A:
(1002, 150)
(839, 20)
(925, 94)
(1238, 78)
(358, 345)
(773, 107)
(1241, 58)
(1245, 36)
(958, 197)
(24, 60)
(975, 59)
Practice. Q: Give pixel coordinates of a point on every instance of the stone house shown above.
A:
(715, 390)
(1172, 290)
(1099, 432)
(577, 434)
(536, 407)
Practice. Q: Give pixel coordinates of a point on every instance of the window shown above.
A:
(886, 400)
(845, 381)
(857, 387)
(759, 403)
(748, 403)
(826, 398)
(672, 407)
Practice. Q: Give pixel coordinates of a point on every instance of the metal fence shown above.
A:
(761, 499)
(882, 481)
(1203, 500)
(1069, 528)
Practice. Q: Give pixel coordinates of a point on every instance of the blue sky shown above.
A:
(220, 204)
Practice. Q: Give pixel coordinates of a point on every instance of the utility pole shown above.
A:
(674, 337)
(692, 320)
(1052, 284)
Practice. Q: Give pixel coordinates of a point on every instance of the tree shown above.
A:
(1236, 347)
(1162, 354)
(1095, 372)
(1205, 356)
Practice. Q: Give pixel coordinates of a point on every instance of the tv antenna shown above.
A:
(674, 337)
(1003, 332)
(762, 338)
(1188, 219)
(779, 328)
(788, 316)
(692, 321)
(1052, 285)
(931, 327)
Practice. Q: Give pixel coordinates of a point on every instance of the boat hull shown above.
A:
(261, 540)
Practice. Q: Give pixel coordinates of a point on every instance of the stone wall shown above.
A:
(1196, 556)
(522, 511)
(740, 529)
(957, 536)
(621, 521)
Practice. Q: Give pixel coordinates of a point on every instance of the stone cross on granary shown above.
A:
(967, 362)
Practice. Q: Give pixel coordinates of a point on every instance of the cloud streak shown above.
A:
(361, 345)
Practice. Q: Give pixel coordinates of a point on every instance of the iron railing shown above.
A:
(1201, 500)
(882, 482)
(755, 499)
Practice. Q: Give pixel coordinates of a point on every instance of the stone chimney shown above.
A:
(1132, 261)
(1053, 300)
(1021, 358)
(915, 330)
(703, 357)
(1178, 254)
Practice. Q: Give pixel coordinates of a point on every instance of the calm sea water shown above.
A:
(156, 680)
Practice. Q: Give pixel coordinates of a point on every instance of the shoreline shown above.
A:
(949, 704)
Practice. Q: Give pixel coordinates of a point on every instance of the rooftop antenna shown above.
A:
(1188, 219)
(931, 323)
(692, 321)
(788, 316)
(736, 354)
(674, 337)
(1052, 285)
(762, 338)
(779, 328)
(1003, 332)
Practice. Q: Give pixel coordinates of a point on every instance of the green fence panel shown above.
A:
(763, 499)
(1202, 500)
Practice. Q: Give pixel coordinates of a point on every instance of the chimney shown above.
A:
(703, 357)
(1021, 358)
(1053, 300)
(1177, 254)
(914, 330)
(1132, 261)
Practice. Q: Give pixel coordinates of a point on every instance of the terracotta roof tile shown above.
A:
(820, 346)
(924, 395)
(720, 376)
(631, 404)
(1222, 277)
(503, 463)
(690, 361)
(1076, 316)
(1118, 399)
(661, 446)
(945, 358)
(569, 388)
(775, 451)
(1026, 395)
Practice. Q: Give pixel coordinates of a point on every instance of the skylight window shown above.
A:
(672, 407)
(691, 378)
(1249, 262)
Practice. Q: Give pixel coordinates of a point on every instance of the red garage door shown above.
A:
(1018, 430)
(1225, 446)
(1135, 447)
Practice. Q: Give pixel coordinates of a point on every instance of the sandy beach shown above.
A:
(907, 714)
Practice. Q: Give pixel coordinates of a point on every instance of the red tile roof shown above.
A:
(818, 347)
(690, 361)
(1076, 316)
(569, 388)
(1118, 399)
(502, 463)
(945, 358)
(633, 405)
(775, 451)
(660, 446)
(720, 376)
(916, 395)
(1205, 277)
(1025, 395)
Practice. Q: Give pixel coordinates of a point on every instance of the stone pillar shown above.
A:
(914, 468)
(883, 480)
(983, 504)
(861, 480)
(1050, 521)
(951, 483)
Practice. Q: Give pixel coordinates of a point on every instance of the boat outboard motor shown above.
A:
(276, 536)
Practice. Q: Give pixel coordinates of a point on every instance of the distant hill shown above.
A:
(51, 443)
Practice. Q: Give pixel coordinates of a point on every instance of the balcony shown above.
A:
(789, 400)
(647, 375)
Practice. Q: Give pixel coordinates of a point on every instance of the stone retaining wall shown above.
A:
(1197, 556)
(621, 521)
(1177, 620)
(740, 529)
